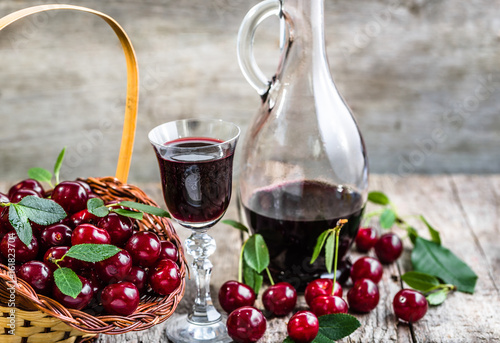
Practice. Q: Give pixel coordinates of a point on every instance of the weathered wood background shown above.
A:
(422, 76)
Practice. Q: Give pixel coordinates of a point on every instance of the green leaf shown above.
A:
(96, 207)
(319, 245)
(68, 282)
(256, 254)
(387, 218)
(378, 198)
(420, 281)
(42, 211)
(92, 252)
(40, 174)
(288, 340)
(437, 298)
(19, 220)
(58, 164)
(236, 225)
(128, 213)
(435, 236)
(333, 327)
(431, 258)
(329, 250)
(156, 211)
(252, 278)
(412, 234)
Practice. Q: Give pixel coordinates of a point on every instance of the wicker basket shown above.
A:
(41, 319)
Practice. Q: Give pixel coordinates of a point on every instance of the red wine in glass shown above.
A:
(196, 182)
(290, 216)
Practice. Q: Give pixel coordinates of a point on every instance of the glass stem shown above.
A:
(200, 245)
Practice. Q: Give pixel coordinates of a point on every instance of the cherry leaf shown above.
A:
(68, 282)
(96, 207)
(92, 252)
(379, 198)
(236, 225)
(333, 327)
(256, 254)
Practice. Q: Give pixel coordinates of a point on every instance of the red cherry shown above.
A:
(115, 268)
(27, 184)
(303, 327)
(363, 296)
(55, 235)
(409, 305)
(246, 325)
(328, 304)
(5, 225)
(120, 228)
(95, 282)
(388, 248)
(234, 294)
(84, 217)
(144, 247)
(367, 267)
(280, 299)
(120, 298)
(78, 303)
(71, 195)
(88, 233)
(56, 253)
(138, 276)
(85, 185)
(319, 287)
(366, 238)
(23, 253)
(38, 275)
(165, 277)
(169, 251)
(20, 194)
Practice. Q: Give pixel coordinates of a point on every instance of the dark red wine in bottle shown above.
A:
(196, 185)
(290, 216)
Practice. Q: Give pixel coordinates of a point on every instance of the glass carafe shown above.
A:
(304, 164)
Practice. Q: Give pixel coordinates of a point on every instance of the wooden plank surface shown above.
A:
(464, 208)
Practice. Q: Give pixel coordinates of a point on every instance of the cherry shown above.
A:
(303, 327)
(82, 299)
(234, 294)
(246, 325)
(138, 277)
(4, 197)
(366, 238)
(169, 250)
(88, 233)
(363, 296)
(409, 305)
(328, 304)
(71, 195)
(85, 185)
(319, 287)
(120, 298)
(38, 275)
(120, 228)
(95, 282)
(165, 277)
(84, 217)
(56, 253)
(20, 194)
(26, 184)
(280, 299)
(388, 248)
(5, 225)
(144, 247)
(115, 268)
(55, 235)
(367, 267)
(22, 252)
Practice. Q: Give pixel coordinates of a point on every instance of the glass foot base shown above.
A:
(180, 330)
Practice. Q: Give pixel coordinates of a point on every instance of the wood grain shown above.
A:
(422, 77)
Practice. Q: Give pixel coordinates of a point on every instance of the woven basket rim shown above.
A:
(152, 310)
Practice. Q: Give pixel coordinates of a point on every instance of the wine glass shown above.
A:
(196, 162)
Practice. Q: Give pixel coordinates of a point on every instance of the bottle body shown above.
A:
(304, 163)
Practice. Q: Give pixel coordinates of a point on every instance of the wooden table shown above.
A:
(465, 209)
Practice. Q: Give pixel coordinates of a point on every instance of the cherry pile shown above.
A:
(145, 264)
(247, 324)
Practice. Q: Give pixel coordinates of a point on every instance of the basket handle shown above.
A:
(128, 135)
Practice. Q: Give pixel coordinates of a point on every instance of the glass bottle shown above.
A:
(304, 163)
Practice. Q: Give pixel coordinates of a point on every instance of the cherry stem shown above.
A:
(240, 266)
(337, 229)
(269, 276)
(5, 204)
